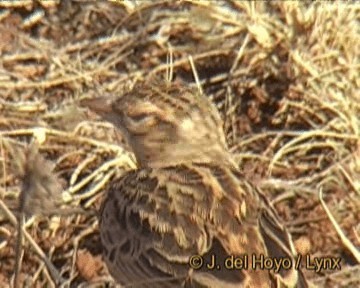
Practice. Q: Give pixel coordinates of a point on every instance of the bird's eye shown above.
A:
(140, 117)
(140, 120)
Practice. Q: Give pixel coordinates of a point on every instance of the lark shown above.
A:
(187, 213)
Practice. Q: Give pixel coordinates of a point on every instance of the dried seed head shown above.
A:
(41, 189)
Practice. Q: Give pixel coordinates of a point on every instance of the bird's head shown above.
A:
(165, 124)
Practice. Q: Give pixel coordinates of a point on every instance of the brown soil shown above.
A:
(285, 80)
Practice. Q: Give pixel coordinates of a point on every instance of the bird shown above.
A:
(187, 214)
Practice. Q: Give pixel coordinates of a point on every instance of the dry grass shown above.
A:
(285, 76)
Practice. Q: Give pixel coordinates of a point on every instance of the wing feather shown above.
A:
(153, 221)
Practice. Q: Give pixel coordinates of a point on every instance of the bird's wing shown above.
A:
(154, 221)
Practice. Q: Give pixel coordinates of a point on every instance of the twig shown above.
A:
(52, 269)
(341, 234)
(18, 249)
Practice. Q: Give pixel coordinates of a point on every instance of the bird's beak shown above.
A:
(100, 105)
(104, 108)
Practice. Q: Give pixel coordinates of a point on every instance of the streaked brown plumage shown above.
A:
(187, 198)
